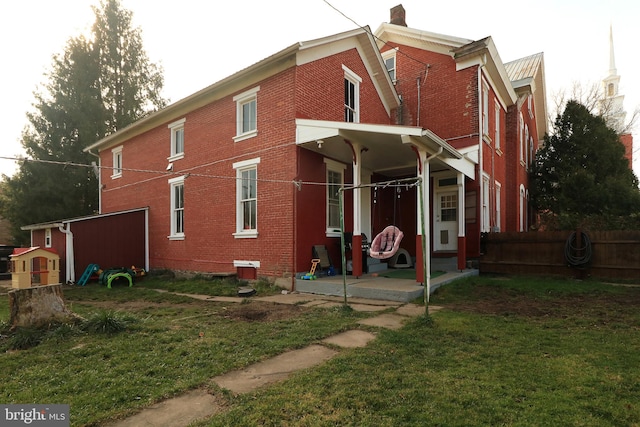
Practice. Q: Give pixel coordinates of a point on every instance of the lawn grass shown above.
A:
(177, 344)
(503, 351)
(575, 365)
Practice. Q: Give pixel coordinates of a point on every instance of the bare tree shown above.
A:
(592, 96)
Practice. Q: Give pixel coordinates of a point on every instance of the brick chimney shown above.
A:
(398, 16)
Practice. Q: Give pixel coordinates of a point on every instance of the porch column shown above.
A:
(423, 218)
(356, 249)
(462, 240)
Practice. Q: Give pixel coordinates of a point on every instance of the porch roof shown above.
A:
(386, 149)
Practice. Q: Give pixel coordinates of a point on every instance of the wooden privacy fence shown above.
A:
(612, 254)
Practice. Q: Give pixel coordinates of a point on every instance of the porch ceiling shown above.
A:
(386, 149)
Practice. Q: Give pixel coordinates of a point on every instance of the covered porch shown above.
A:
(376, 286)
(386, 153)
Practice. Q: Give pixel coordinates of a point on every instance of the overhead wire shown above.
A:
(374, 36)
(189, 171)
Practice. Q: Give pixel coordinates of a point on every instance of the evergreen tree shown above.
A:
(94, 88)
(581, 171)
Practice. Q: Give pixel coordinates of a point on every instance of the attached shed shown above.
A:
(118, 239)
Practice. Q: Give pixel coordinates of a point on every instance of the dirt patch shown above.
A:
(489, 300)
(262, 311)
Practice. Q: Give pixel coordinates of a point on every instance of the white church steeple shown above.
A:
(612, 107)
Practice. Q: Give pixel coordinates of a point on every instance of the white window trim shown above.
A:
(391, 53)
(485, 108)
(522, 143)
(356, 80)
(175, 126)
(525, 160)
(240, 100)
(498, 208)
(116, 154)
(521, 200)
(47, 238)
(240, 167)
(173, 182)
(332, 165)
(496, 139)
(486, 203)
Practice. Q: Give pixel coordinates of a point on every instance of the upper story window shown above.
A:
(246, 114)
(47, 238)
(496, 137)
(247, 198)
(485, 109)
(530, 105)
(177, 208)
(389, 58)
(523, 142)
(526, 143)
(177, 140)
(116, 154)
(335, 181)
(351, 96)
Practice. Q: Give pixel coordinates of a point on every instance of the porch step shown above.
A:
(377, 267)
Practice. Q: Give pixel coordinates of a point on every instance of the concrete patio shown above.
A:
(376, 286)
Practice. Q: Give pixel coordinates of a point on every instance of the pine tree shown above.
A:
(94, 88)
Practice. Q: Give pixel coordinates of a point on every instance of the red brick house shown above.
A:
(240, 177)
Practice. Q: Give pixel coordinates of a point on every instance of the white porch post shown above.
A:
(462, 240)
(357, 181)
(356, 239)
(424, 218)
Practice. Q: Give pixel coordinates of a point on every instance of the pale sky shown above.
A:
(200, 42)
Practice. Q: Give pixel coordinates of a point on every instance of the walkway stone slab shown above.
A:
(350, 339)
(179, 411)
(275, 369)
(385, 320)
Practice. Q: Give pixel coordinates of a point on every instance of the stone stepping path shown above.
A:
(198, 404)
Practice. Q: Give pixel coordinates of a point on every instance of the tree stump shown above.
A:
(39, 306)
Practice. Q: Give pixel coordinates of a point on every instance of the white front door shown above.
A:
(445, 228)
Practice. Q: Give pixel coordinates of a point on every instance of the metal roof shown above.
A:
(524, 68)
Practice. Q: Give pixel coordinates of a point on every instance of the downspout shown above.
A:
(70, 272)
(99, 176)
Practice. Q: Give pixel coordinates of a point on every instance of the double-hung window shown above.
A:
(177, 140)
(335, 180)
(486, 202)
(247, 198)
(523, 143)
(498, 207)
(389, 58)
(496, 138)
(177, 208)
(351, 96)
(116, 154)
(485, 109)
(246, 114)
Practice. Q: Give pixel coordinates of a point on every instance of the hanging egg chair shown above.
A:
(386, 243)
